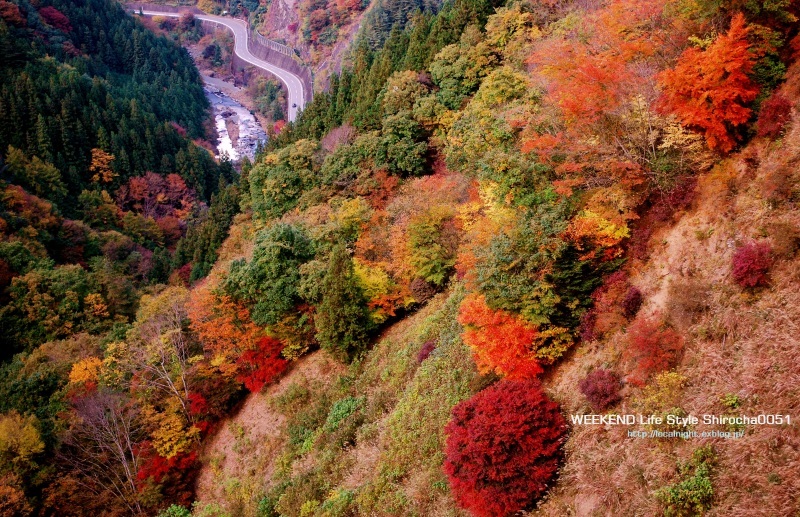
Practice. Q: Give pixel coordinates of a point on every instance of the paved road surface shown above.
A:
(293, 83)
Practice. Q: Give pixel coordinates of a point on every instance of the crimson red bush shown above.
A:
(503, 448)
(426, 350)
(632, 302)
(775, 113)
(653, 347)
(751, 264)
(601, 389)
(261, 365)
(55, 18)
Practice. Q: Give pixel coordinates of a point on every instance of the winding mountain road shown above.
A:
(294, 85)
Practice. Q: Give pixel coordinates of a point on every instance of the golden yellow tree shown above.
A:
(101, 166)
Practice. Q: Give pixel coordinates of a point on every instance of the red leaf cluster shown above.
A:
(751, 263)
(601, 389)
(156, 196)
(426, 350)
(156, 467)
(501, 341)
(632, 302)
(503, 448)
(653, 347)
(261, 365)
(11, 14)
(775, 113)
(55, 18)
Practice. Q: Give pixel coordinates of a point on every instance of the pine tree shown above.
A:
(342, 319)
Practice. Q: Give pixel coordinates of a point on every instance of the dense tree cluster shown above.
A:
(100, 183)
(522, 153)
(542, 142)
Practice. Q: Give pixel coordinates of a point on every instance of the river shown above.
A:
(238, 130)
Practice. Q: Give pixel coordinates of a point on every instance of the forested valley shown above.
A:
(106, 192)
(496, 215)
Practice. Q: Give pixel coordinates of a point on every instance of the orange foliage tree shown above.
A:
(587, 67)
(709, 90)
(223, 326)
(501, 341)
(653, 347)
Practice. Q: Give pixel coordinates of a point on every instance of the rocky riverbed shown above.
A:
(237, 128)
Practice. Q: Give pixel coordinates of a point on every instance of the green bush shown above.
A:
(693, 494)
(340, 410)
(269, 281)
(175, 511)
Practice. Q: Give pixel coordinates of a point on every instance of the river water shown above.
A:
(238, 130)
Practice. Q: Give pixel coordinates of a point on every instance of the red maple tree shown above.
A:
(710, 89)
(261, 364)
(503, 448)
(501, 341)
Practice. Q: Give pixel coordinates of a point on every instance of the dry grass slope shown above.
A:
(744, 343)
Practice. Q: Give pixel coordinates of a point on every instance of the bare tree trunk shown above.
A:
(101, 445)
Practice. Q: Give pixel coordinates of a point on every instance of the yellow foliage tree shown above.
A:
(19, 442)
(171, 434)
(85, 370)
(101, 166)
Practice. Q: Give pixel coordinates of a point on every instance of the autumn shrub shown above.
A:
(601, 388)
(587, 326)
(679, 197)
(751, 264)
(775, 113)
(778, 183)
(639, 245)
(503, 448)
(652, 347)
(785, 239)
(11, 14)
(55, 18)
(632, 302)
(421, 290)
(425, 351)
(261, 365)
(501, 341)
(606, 314)
(688, 298)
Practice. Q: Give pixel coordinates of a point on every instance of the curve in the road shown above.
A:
(293, 83)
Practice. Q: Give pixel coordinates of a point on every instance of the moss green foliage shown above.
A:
(340, 410)
(270, 280)
(432, 258)
(511, 272)
(342, 319)
(175, 511)
(415, 427)
(277, 181)
(693, 493)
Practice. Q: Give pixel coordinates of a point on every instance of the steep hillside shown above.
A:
(503, 232)
(595, 227)
(739, 343)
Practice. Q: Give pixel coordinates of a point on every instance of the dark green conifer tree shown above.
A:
(342, 320)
